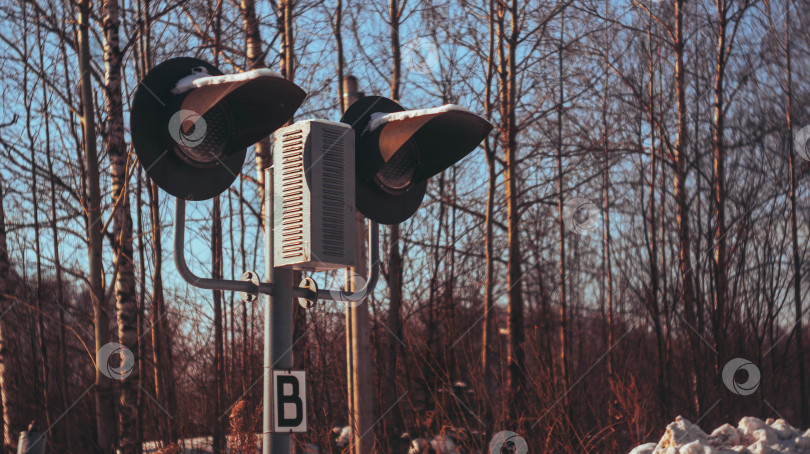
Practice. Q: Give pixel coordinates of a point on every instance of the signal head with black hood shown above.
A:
(191, 125)
(398, 150)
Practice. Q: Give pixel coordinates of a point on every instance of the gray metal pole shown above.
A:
(278, 323)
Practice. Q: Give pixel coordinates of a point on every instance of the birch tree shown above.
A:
(125, 299)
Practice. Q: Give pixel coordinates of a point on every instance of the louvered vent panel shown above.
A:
(333, 192)
(292, 191)
(313, 187)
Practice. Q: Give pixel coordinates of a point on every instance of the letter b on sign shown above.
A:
(289, 401)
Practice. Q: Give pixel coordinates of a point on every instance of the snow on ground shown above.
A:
(751, 436)
(444, 443)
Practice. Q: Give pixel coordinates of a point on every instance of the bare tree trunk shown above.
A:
(161, 345)
(488, 334)
(395, 261)
(394, 17)
(232, 357)
(156, 311)
(719, 150)
(564, 347)
(433, 320)
(288, 40)
(141, 303)
(105, 407)
(508, 81)
(160, 340)
(9, 443)
(395, 264)
(607, 272)
(794, 233)
(679, 183)
(288, 66)
(337, 30)
(696, 379)
(60, 298)
(655, 309)
(255, 55)
(245, 334)
(40, 327)
(69, 435)
(216, 253)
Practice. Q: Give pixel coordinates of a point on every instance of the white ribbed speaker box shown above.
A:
(313, 196)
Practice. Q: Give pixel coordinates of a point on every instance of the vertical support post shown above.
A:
(351, 91)
(350, 96)
(350, 369)
(278, 322)
(359, 342)
(358, 351)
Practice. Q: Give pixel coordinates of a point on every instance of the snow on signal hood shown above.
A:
(200, 78)
(379, 119)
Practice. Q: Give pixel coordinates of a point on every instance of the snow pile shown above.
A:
(444, 444)
(419, 446)
(344, 435)
(751, 436)
(439, 445)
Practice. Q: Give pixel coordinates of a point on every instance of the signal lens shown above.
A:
(396, 175)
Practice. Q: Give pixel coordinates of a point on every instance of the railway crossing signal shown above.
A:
(191, 126)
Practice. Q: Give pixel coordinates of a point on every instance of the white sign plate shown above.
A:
(289, 401)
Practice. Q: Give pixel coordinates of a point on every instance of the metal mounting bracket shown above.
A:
(373, 270)
(251, 288)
